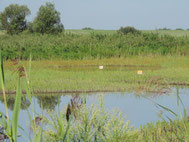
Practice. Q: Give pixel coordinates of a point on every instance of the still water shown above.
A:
(139, 109)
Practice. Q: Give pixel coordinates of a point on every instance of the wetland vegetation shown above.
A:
(91, 46)
(56, 70)
(47, 60)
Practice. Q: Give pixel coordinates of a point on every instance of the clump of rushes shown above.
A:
(75, 105)
(10, 127)
(92, 123)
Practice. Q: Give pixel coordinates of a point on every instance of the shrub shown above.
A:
(87, 28)
(164, 29)
(88, 124)
(48, 20)
(13, 18)
(30, 27)
(128, 30)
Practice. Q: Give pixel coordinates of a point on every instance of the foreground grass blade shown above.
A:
(167, 109)
(158, 105)
(16, 111)
(8, 128)
(66, 135)
(3, 84)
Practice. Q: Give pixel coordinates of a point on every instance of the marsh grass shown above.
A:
(70, 46)
(117, 75)
(10, 126)
(93, 123)
(169, 129)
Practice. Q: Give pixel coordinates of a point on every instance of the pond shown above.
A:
(139, 109)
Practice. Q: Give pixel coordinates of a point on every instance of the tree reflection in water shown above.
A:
(25, 103)
(48, 102)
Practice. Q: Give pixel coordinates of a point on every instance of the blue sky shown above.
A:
(112, 14)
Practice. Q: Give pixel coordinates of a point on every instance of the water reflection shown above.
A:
(48, 102)
(25, 103)
(136, 107)
(51, 101)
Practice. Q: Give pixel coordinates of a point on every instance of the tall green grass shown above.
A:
(91, 123)
(11, 126)
(91, 46)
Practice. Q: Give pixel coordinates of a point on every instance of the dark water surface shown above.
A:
(139, 110)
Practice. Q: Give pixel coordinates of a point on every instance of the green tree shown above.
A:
(48, 20)
(30, 27)
(1, 26)
(13, 18)
(128, 30)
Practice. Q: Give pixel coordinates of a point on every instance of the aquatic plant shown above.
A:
(95, 45)
(10, 127)
(91, 123)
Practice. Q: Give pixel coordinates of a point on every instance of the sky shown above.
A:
(112, 14)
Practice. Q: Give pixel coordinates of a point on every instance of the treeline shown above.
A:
(78, 46)
(13, 19)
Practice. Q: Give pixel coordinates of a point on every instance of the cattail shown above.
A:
(68, 112)
(37, 123)
(15, 61)
(37, 120)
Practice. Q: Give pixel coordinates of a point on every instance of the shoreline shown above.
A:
(13, 92)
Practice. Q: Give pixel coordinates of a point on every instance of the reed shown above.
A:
(69, 46)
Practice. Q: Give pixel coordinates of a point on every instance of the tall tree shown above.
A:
(13, 18)
(48, 20)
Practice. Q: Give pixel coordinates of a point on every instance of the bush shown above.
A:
(164, 29)
(48, 20)
(87, 28)
(128, 30)
(88, 124)
(13, 18)
(30, 27)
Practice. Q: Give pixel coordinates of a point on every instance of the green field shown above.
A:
(119, 74)
(91, 31)
(176, 33)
